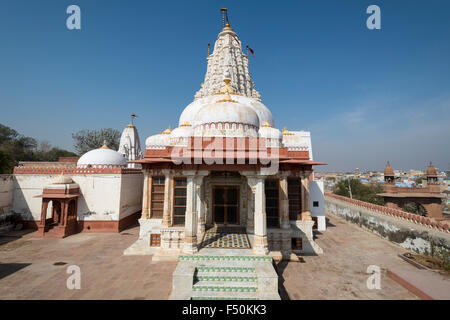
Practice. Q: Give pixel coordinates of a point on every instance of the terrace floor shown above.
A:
(28, 270)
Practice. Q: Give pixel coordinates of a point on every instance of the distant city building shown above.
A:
(398, 195)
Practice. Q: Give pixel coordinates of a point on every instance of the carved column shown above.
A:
(200, 201)
(306, 212)
(284, 201)
(44, 211)
(250, 210)
(166, 222)
(145, 196)
(190, 224)
(260, 245)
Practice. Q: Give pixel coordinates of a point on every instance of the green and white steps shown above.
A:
(224, 283)
(208, 277)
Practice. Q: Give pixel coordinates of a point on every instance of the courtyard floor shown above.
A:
(28, 270)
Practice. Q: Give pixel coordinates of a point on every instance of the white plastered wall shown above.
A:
(316, 194)
(104, 197)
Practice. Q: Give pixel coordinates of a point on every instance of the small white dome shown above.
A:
(102, 157)
(270, 133)
(183, 131)
(227, 112)
(157, 140)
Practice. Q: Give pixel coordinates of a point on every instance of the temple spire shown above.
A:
(227, 61)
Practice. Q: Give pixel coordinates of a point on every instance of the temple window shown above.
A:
(272, 201)
(294, 195)
(179, 201)
(157, 197)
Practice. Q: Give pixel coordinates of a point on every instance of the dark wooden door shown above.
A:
(226, 205)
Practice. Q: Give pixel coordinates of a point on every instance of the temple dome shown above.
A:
(159, 140)
(189, 114)
(183, 131)
(388, 170)
(227, 112)
(431, 171)
(101, 157)
(268, 132)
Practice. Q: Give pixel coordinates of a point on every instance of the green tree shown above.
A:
(418, 180)
(359, 191)
(86, 140)
(416, 208)
(15, 147)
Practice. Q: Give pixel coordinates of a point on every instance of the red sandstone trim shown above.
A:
(74, 171)
(98, 226)
(414, 218)
(408, 286)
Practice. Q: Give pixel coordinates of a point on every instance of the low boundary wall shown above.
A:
(410, 231)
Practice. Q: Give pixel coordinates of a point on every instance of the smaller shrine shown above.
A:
(59, 208)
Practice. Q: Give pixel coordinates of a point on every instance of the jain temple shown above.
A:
(224, 188)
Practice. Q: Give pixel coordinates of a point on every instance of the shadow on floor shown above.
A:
(280, 267)
(13, 235)
(9, 268)
(328, 223)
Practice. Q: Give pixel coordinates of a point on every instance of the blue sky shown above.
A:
(367, 96)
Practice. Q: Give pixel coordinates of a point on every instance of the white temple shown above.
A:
(186, 175)
(130, 146)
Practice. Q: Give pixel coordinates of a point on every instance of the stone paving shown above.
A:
(340, 272)
(27, 269)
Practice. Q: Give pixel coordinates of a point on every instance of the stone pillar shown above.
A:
(260, 245)
(190, 224)
(145, 196)
(167, 221)
(200, 203)
(250, 211)
(306, 212)
(284, 202)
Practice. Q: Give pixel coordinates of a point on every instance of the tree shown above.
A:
(86, 140)
(359, 191)
(418, 180)
(416, 208)
(15, 147)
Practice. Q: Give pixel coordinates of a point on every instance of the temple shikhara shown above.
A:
(224, 189)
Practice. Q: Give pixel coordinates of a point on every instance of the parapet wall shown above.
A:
(6, 200)
(410, 231)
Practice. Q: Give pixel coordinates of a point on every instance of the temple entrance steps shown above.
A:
(214, 277)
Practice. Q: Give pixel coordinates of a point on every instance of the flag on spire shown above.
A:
(251, 50)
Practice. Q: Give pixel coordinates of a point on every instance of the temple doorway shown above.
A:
(225, 205)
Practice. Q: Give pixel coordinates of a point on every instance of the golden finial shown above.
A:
(286, 132)
(227, 87)
(225, 17)
(226, 91)
(104, 145)
(226, 98)
(185, 124)
(167, 131)
(224, 12)
(209, 46)
(266, 124)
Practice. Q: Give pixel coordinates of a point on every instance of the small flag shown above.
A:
(251, 50)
